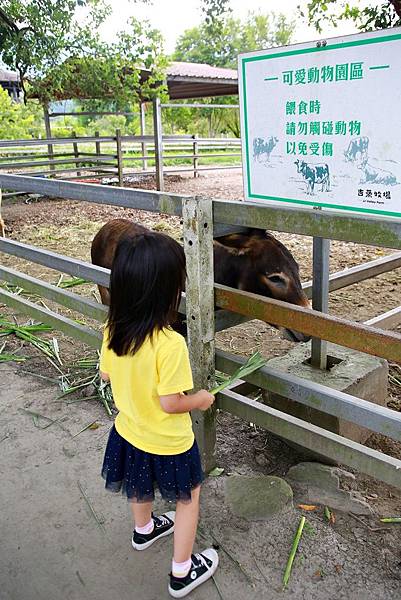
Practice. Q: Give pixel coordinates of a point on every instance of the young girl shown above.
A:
(152, 442)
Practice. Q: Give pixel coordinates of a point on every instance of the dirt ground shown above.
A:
(54, 548)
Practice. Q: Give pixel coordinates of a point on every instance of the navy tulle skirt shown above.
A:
(136, 473)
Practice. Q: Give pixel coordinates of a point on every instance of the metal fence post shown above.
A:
(320, 295)
(119, 157)
(195, 152)
(48, 134)
(143, 132)
(158, 141)
(197, 216)
(97, 148)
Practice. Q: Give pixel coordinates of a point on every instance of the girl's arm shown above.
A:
(178, 403)
(104, 376)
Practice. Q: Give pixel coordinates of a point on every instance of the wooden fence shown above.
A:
(116, 156)
(208, 218)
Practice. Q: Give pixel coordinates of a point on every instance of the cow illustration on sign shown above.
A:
(357, 153)
(262, 148)
(371, 174)
(314, 175)
(357, 150)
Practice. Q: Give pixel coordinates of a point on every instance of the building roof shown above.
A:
(6, 75)
(187, 69)
(184, 80)
(197, 80)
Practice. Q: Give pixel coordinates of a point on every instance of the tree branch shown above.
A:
(6, 19)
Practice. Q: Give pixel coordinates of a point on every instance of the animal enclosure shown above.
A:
(115, 156)
(198, 243)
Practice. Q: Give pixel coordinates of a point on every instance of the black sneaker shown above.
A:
(202, 568)
(163, 525)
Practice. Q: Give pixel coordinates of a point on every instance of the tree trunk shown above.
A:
(397, 6)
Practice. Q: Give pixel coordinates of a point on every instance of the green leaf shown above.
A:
(216, 472)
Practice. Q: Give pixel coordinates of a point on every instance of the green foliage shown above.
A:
(65, 126)
(215, 10)
(17, 120)
(217, 41)
(374, 16)
(107, 125)
(55, 46)
(205, 44)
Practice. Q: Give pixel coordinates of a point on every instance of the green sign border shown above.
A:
(245, 61)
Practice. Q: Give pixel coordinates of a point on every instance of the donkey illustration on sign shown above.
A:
(313, 175)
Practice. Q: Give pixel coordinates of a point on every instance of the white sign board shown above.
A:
(321, 123)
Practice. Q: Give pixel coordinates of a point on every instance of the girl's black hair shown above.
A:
(146, 281)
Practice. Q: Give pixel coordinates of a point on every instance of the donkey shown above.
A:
(252, 261)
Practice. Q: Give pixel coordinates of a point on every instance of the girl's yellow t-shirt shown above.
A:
(159, 368)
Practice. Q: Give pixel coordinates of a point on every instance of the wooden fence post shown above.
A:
(2, 224)
(76, 152)
(97, 144)
(119, 158)
(195, 152)
(158, 141)
(198, 245)
(50, 149)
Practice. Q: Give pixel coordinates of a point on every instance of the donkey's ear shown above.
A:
(244, 242)
(241, 238)
(235, 244)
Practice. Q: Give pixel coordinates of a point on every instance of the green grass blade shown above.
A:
(255, 362)
(294, 549)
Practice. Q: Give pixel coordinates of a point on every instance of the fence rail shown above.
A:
(339, 404)
(378, 231)
(118, 152)
(313, 438)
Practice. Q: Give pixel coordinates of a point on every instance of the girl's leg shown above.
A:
(141, 512)
(186, 522)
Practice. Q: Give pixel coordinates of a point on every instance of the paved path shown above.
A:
(52, 548)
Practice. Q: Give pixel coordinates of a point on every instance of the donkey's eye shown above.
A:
(276, 279)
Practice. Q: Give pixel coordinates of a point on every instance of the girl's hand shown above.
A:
(180, 403)
(205, 399)
(104, 376)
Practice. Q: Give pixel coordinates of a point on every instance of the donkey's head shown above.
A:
(255, 261)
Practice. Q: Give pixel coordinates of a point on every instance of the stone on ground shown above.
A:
(257, 497)
(315, 483)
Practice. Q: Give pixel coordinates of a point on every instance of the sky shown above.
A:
(172, 17)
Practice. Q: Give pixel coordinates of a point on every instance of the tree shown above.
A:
(221, 46)
(54, 46)
(374, 16)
